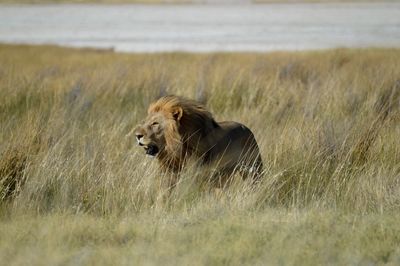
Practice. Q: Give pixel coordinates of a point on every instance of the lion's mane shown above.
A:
(184, 136)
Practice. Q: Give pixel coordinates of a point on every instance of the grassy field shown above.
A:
(75, 189)
(184, 1)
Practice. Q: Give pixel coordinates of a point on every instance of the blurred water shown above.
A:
(150, 28)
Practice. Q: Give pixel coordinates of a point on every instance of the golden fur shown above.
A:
(177, 128)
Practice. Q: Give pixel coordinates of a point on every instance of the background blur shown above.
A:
(220, 26)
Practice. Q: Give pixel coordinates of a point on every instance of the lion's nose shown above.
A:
(138, 137)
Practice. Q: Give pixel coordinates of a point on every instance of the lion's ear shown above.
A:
(177, 113)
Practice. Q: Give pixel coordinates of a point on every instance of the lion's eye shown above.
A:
(154, 124)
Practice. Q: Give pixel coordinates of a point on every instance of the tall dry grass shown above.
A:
(180, 2)
(328, 125)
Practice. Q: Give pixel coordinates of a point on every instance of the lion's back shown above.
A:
(234, 146)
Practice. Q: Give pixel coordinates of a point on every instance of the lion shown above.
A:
(177, 129)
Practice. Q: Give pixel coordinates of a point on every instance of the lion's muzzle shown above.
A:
(151, 150)
(139, 139)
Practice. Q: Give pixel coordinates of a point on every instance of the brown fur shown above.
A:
(181, 128)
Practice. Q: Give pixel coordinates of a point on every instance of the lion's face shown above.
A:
(158, 131)
(150, 134)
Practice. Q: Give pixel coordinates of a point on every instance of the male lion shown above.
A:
(177, 129)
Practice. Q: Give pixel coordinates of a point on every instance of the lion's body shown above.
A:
(232, 146)
(177, 129)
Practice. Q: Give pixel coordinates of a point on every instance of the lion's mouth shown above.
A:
(151, 150)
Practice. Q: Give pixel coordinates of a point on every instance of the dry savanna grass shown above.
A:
(179, 2)
(75, 189)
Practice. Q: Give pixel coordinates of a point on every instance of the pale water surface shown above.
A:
(152, 28)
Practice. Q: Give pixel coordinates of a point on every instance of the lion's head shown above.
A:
(173, 129)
